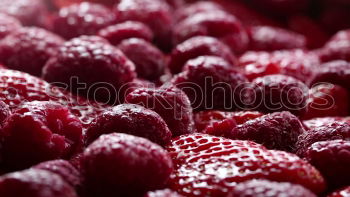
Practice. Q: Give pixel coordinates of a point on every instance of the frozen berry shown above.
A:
(163, 193)
(220, 128)
(327, 100)
(156, 14)
(28, 49)
(331, 131)
(8, 25)
(279, 93)
(203, 119)
(319, 122)
(198, 46)
(124, 165)
(35, 183)
(335, 72)
(129, 29)
(221, 25)
(268, 38)
(244, 116)
(260, 188)
(170, 103)
(175, 4)
(278, 130)
(344, 192)
(108, 69)
(149, 61)
(4, 112)
(195, 8)
(82, 19)
(332, 159)
(131, 119)
(282, 7)
(337, 48)
(211, 83)
(38, 131)
(62, 168)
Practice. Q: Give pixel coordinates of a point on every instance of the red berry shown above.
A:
(331, 131)
(268, 38)
(131, 119)
(195, 8)
(344, 192)
(170, 103)
(218, 24)
(163, 193)
(318, 122)
(8, 25)
(109, 69)
(4, 112)
(278, 130)
(149, 61)
(245, 116)
(255, 188)
(220, 128)
(198, 46)
(332, 159)
(203, 119)
(35, 183)
(129, 29)
(211, 83)
(327, 100)
(82, 19)
(338, 47)
(38, 131)
(28, 49)
(124, 165)
(211, 166)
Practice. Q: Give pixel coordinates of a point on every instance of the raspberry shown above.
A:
(283, 7)
(124, 165)
(318, 122)
(221, 83)
(94, 54)
(331, 131)
(344, 192)
(212, 166)
(170, 103)
(332, 159)
(39, 131)
(28, 49)
(156, 14)
(163, 193)
(82, 19)
(269, 188)
(336, 72)
(175, 4)
(150, 62)
(280, 93)
(8, 24)
(195, 8)
(220, 128)
(35, 183)
(268, 38)
(278, 130)
(129, 29)
(338, 47)
(217, 24)
(62, 168)
(198, 46)
(327, 100)
(29, 12)
(131, 119)
(4, 112)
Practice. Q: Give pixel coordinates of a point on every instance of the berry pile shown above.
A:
(174, 98)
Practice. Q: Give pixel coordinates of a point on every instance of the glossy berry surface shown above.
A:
(195, 8)
(124, 165)
(8, 25)
(28, 49)
(163, 193)
(5, 111)
(341, 192)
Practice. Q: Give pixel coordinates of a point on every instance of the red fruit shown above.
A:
(218, 24)
(279, 93)
(155, 14)
(212, 83)
(62, 168)
(278, 130)
(198, 46)
(332, 159)
(269, 188)
(318, 122)
(28, 49)
(282, 7)
(203, 119)
(195, 8)
(35, 183)
(337, 48)
(344, 192)
(268, 38)
(29, 12)
(170, 103)
(39, 131)
(331, 131)
(131, 119)
(4, 112)
(163, 193)
(220, 128)
(109, 69)
(212, 166)
(124, 165)
(82, 19)
(149, 61)
(175, 4)
(8, 25)
(129, 29)
(327, 100)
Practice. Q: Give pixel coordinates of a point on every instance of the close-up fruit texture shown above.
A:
(174, 98)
